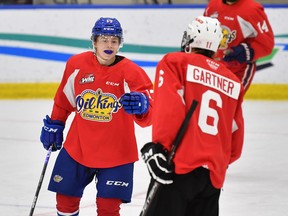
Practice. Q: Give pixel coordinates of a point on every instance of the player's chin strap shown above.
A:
(185, 43)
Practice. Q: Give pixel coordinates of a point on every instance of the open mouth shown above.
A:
(109, 52)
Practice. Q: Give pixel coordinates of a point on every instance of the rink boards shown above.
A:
(35, 43)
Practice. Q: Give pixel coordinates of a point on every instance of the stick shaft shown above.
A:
(176, 142)
(40, 181)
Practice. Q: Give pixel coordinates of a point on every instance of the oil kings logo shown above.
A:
(228, 37)
(96, 105)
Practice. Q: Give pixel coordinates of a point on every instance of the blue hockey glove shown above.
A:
(135, 103)
(241, 53)
(52, 134)
(155, 157)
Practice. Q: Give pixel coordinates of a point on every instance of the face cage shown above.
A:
(121, 40)
(94, 37)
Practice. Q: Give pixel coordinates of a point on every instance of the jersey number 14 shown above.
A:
(263, 27)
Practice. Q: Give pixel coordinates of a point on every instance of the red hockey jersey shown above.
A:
(102, 133)
(214, 138)
(245, 21)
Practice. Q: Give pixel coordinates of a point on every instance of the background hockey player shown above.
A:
(214, 137)
(108, 93)
(248, 35)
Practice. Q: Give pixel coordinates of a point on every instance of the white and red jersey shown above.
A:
(102, 133)
(243, 22)
(214, 137)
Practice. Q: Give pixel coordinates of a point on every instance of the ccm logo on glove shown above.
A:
(52, 134)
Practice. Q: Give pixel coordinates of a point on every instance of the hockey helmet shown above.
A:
(204, 33)
(107, 26)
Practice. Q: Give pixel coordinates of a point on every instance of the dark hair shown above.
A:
(204, 52)
(231, 1)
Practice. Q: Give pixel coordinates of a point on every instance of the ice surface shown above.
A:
(255, 185)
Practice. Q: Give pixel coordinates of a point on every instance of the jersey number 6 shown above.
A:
(206, 111)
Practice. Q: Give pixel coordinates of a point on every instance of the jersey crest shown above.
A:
(96, 105)
(228, 36)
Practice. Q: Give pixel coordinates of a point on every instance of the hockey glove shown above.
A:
(52, 134)
(155, 157)
(135, 103)
(241, 53)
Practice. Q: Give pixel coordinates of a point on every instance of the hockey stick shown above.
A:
(175, 145)
(40, 181)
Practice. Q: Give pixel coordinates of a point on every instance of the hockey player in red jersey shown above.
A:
(108, 93)
(247, 35)
(214, 137)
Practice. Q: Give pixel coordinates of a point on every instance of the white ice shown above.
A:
(257, 184)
